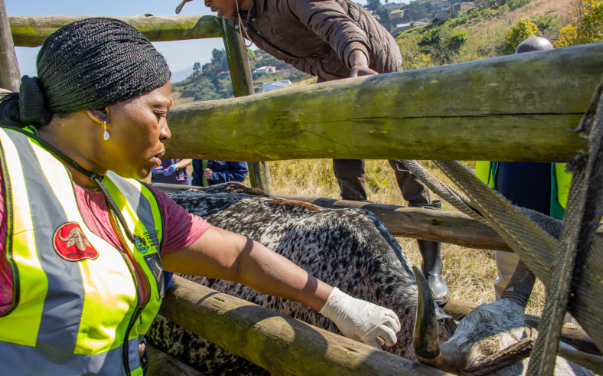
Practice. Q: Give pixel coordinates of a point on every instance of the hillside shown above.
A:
(213, 81)
(478, 34)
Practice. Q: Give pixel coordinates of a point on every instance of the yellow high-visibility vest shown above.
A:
(76, 307)
(560, 184)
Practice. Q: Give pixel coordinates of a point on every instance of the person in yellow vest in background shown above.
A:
(542, 187)
(83, 244)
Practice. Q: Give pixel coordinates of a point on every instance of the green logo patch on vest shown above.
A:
(141, 244)
(152, 238)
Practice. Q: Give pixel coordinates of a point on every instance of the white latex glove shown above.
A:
(361, 320)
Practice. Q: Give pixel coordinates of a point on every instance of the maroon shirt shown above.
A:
(181, 229)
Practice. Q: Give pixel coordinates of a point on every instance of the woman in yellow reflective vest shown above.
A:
(83, 244)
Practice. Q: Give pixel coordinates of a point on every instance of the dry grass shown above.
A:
(493, 31)
(469, 273)
(311, 80)
(176, 97)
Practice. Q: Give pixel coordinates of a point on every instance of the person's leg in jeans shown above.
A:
(417, 195)
(350, 175)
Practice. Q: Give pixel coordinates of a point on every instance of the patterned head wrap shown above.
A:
(89, 64)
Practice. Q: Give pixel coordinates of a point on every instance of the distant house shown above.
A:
(483, 3)
(444, 14)
(397, 12)
(406, 26)
(266, 69)
(453, 11)
(465, 7)
(274, 85)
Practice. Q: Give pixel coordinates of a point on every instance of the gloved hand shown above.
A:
(170, 170)
(361, 320)
(157, 170)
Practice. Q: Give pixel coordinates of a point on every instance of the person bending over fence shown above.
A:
(333, 40)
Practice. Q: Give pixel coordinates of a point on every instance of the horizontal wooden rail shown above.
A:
(162, 364)
(447, 226)
(512, 108)
(571, 334)
(31, 31)
(278, 343)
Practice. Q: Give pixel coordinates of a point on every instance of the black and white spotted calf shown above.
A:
(347, 248)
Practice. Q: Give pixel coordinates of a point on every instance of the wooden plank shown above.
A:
(278, 343)
(512, 108)
(571, 334)
(10, 78)
(447, 226)
(162, 364)
(238, 61)
(31, 31)
(259, 175)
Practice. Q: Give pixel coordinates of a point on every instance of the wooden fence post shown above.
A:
(9, 69)
(238, 61)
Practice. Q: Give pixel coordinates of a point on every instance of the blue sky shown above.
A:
(180, 55)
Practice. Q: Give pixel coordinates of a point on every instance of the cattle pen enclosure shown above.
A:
(513, 108)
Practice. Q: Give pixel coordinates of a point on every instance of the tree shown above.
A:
(517, 33)
(219, 59)
(457, 40)
(373, 5)
(196, 68)
(415, 11)
(384, 17)
(586, 25)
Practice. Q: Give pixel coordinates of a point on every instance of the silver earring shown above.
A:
(106, 134)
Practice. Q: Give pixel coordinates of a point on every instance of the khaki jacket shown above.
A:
(319, 35)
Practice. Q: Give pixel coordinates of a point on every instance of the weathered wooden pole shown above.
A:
(512, 108)
(278, 343)
(162, 364)
(9, 68)
(238, 61)
(31, 31)
(447, 226)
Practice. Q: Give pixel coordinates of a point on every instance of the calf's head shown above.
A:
(491, 337)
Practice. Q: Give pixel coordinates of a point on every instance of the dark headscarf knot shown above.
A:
(31, 102)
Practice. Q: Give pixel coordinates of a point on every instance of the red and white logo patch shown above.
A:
(71, 243)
